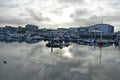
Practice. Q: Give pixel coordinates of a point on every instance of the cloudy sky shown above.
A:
(59, 13)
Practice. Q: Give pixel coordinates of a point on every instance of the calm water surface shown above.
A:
(76, 62)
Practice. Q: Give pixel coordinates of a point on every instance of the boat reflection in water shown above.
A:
(57, 43)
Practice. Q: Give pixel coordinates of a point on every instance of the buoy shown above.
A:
(116, 43)
(60, 47)
(100, 43)
(5, 62)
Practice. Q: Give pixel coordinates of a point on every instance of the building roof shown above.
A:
(101, 24)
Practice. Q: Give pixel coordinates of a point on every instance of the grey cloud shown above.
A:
(80, 13)
(37, 16)
(29, 2)
(26, 10)
(114, 18)
(14, 3)
(72, 1)
(11, 20)
(59, 10)
(115, 6)
(78, 17)
(5, 3)
(8, 6)
(94, 19)
(66, 4)
(113, 2)
(15, 20)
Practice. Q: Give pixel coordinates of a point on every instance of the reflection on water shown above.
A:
(76, 62)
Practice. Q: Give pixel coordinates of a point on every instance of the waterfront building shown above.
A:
(104, 28)
(62, 31)
(31, 27)
(83, 30)
(73, 32)
(118, 35)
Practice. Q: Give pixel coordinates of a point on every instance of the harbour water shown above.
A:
(77, 62)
